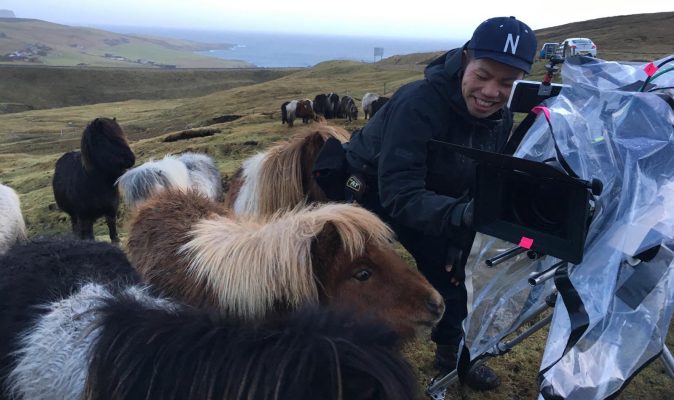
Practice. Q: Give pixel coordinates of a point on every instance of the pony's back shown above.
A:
(141, 183)
(12, 227)
(204, 174)
(144, 351)
(157, 230)
(45, 270)
(189, 171)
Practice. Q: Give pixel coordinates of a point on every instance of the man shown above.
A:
(425, 194)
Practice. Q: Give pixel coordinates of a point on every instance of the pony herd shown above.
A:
(269, 294)
(327, 106)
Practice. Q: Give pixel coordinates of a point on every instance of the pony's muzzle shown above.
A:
(436, 306)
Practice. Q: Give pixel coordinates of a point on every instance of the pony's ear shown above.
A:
(310, 150)
(323, 248)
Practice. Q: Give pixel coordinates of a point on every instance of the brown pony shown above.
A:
(280, 178)
(251, 267)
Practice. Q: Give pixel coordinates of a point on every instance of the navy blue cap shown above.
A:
(506, 40)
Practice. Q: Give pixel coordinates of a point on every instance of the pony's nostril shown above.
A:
(436, 306)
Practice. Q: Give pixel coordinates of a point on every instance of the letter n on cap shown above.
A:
(513, 43)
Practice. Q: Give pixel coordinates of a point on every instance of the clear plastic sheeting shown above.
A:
(606, 129)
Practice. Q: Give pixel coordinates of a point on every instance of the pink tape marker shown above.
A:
(541, 109)
(650, 69)
(526, 242)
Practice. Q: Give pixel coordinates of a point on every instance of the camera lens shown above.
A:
(537, 205)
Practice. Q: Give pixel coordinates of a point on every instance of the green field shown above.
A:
(64, 45)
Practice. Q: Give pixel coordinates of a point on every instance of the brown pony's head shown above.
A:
(370, 277)
(105, 149)
(280, 178)
(335, 254)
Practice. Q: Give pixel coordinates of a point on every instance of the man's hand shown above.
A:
(457, 274)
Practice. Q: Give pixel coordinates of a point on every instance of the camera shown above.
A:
(530, 203)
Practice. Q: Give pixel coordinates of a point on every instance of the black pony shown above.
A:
(84, 182)
(44, 270)
(145, 352)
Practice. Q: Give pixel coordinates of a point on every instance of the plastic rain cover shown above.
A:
(605, 129)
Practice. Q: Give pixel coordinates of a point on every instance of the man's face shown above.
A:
(486, 86)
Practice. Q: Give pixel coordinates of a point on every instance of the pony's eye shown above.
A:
(362, 275)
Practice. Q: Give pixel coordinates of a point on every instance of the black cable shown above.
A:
(670, 59)
(660, 88)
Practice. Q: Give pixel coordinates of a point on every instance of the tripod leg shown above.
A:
(668, 360)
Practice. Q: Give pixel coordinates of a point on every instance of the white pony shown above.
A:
(186, 171)
(367, 101)
(12, 227)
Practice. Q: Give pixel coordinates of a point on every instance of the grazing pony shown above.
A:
(186, 171)
(44, 270)
(12, 227)
(84, 182)
(298, 109)
(99, 345)
(334, 103)
(284, 112)
(377, 105)
(366, 103)
(348, 109)
(252, 267)
(281, 178)
(322, 106)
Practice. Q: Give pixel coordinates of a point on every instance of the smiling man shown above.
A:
(424, 194)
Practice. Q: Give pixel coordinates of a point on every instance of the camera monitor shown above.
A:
(526, 95)
(529, 203)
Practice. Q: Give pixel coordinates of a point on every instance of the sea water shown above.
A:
(274, 50)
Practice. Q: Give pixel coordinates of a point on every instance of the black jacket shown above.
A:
(420, 187)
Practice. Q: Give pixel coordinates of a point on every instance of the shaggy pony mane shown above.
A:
(100, 133)
(282, 185)
(270, 261)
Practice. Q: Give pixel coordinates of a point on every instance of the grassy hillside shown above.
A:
(46, 43)
(32, 141)
(39, 87)
(639, 37)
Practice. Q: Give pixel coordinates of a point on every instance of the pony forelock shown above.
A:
(113, 154)
(253, 264)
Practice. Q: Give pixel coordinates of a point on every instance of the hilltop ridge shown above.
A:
(637, 37)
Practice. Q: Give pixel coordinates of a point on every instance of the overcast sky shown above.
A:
(430, 18)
